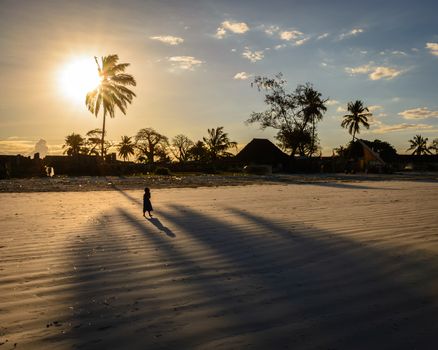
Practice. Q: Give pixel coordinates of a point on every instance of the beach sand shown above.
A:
(328, 265)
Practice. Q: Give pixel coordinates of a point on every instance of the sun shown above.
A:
(78, 77)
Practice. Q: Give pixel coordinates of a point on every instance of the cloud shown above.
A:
(271, 30)
(400, 53)
(168, 39)
(301, 41)
(185, 62)
(280, 46)
(384, 128)
(233, 27)
(41, 148)
(341, 109)
(353, 32)
(373, 108)
(290, 35)
(375, 73)
(242, 76)
(433, 48)
(419, 113)
(253, 56)
(332, 102)
(323, 36)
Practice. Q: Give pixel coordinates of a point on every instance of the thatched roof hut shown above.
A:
(262, 151)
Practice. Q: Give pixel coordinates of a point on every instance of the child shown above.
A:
(147, 206)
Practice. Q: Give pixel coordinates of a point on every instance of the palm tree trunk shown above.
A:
(103, 138)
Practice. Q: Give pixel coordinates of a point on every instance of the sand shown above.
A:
(329, 265)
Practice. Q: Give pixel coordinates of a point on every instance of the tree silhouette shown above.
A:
(359, 115)
(218, 143)
(150, 144)
(126, 147)
(434, 146)
(181, 145)
(419, 145)
(93, 143)
(290, 113)
(312, 107)
(198, 152)
(112, 91)
(74, 144)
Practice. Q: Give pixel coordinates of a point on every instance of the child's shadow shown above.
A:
(157, 223)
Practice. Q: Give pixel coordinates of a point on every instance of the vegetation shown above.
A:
(419, 145)
(112, 91)
(294, 114)
(434, 146)
(74, 144)
(151, 145)
(218, 143)
(126, 147)
(358, 116)
(181, 146)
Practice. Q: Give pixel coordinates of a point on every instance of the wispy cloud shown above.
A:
(323, 36)
(301, 41)
(185, 62)
(271, 30)
(374, 108)
(419, 113)
(375, 72)
(280, 46)
(353, 32)
(242, 76)
(384, 128)
(341, 109)
(168, 39)
(233, 27)
(433, 48)
(290, 35)
(332, 102)
(253, 56)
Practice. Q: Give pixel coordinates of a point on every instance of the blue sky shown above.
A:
(194, 61)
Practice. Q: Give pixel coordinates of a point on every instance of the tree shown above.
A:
(434, 146)
(312, 107)
(112, 91)
(359, 115)
(419, 145)
(126, 147)
(198, 152)
(218, 143)
(181, 145)
(150, 144)
(93, 143)
(294, 115)
(74, 144)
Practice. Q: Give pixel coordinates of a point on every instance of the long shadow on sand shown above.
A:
(244, 281)
(352, 295)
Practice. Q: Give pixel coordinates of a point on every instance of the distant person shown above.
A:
(147, 206)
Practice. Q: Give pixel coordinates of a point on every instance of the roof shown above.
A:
(262, 151)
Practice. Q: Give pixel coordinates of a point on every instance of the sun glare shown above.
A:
(78, 77)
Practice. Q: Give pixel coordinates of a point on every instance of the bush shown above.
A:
(258, 169)
(162, 171)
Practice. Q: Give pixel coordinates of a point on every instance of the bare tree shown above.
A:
(181, 145)
(150, 144)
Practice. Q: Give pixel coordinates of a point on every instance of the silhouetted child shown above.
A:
(147, 206)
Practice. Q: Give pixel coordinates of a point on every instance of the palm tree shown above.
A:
(126, 147)
(74, 144)
(359, 115)
(112, 91)
(419, 145)
(312, 108)
(218, 142)
(434, 146)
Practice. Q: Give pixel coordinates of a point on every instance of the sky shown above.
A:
(194, 62)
